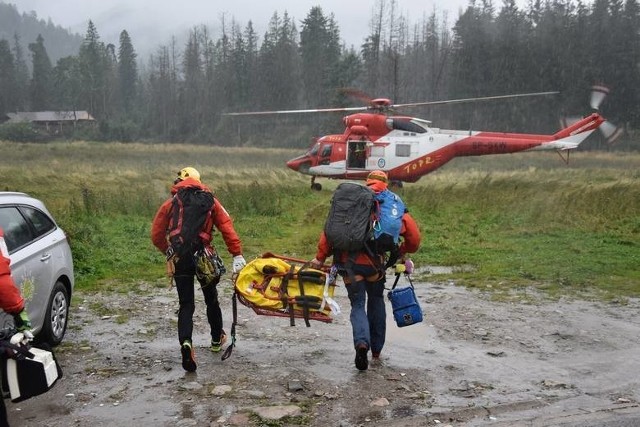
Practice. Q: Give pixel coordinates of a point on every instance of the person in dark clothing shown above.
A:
(184, 270)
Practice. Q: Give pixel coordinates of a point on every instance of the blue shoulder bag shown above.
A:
(406, 309)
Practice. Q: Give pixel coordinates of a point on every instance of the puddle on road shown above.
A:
(415, 334)
(444, 269)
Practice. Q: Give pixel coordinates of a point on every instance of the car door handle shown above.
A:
(45, 257)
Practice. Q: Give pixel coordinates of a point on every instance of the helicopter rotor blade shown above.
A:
(598, 94)
(356, 94)
(610, 131)
(484, 98)
(378, 106)
(314, 110)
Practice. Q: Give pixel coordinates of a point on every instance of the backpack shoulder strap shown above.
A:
(206, 235)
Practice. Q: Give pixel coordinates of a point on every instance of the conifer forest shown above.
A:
(181, 90)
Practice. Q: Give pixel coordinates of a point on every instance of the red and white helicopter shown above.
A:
(408, 148)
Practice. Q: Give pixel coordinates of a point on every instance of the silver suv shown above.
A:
(41, 263)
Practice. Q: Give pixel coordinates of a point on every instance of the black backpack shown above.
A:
(348, 226)
(361, 221)
(190, 209)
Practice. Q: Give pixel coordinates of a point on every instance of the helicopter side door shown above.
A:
(378, 154)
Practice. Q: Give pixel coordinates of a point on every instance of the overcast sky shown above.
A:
(153, 22)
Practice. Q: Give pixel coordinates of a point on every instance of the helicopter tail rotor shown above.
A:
(610, 131)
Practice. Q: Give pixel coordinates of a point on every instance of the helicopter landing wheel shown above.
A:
(314, 185)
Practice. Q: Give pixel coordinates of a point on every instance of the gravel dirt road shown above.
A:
(472, 362)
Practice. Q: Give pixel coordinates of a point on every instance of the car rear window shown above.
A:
(42, 224)
(15, 223)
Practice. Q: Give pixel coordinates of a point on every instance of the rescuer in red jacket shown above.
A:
(185, 268)
(366, 294)
(11, 302)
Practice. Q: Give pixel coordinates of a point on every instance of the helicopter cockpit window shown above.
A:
(403, 150)
(326, 151)
(403, 124)
(314, 150)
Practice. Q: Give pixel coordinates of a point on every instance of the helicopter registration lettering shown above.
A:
(492, 146)
(418, 164)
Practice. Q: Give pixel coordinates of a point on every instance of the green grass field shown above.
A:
(513, 221)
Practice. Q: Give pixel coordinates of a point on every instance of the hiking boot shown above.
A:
(375, 359)
(188, 356)
(217, 346)
(362, 362)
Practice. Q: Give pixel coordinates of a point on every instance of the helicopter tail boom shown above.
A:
(572, 136)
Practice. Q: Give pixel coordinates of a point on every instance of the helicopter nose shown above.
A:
(299, 164)
(293, 164)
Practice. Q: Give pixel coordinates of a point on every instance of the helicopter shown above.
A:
(407, 148)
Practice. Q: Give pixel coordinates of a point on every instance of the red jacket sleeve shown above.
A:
(159, 227)
(10, 299)
(324, 248)
(410, 234)
(223, 222)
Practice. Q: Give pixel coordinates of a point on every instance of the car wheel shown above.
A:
(55, 322)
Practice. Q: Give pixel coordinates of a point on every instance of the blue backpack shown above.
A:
(387, 224)
(390, 210)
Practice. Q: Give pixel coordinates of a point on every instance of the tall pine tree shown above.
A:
(93, 70)
(40, 87)
(22, 75)
(8, 94)
(127, 74)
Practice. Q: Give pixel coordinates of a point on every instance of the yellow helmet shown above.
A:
(188, 172)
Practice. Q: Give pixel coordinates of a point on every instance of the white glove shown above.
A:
(24, 337)
(238, 263)
(28, 336)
